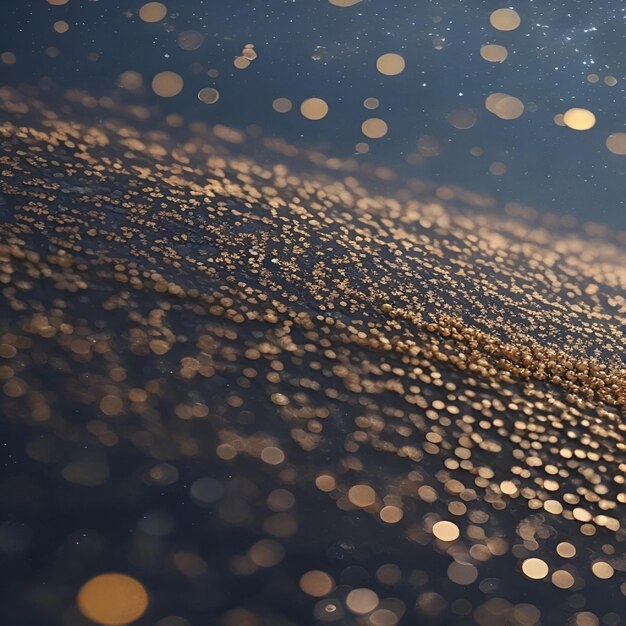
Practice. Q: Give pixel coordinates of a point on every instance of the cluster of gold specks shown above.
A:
(304, 363)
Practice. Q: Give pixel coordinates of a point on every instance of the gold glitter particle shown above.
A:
(494, 52)
(508, 487)
(317, 583)
(535, 568)
(208, 95)
(362, 496)
(112, 599)
(390, 64)
(616, 143)
(579, 119)
(374, 128)
(610, 81)
(362, 147)
(152, 12)
(272, 455)
(362, 601)
(505, 19)
(314, 108)
(446, 531)
(282, 105)
(593, 78)
(58, 3)
(371, 103)
(131, 80)
(167, 84)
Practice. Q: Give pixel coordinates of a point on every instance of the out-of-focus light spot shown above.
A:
(112, 599)
(208, 95)
(317, 583)
(494, 53)
(390, 64)
(371, 103)
(61, 26)
(506, 107)
(167, 84)
(446, 531)
(8, 58)
(362, 601)
(241, 62)
(579, 119)
(189, 40)
(344, 3)
(152, 12)
(314, 108)
(463, 119)
(505, 19)
(535, 568)
(374, 128)
(616, 143)
(362, 496)
(282, 105)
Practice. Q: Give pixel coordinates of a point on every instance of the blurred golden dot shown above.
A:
(241, 62)
(167, 84)
(508, 487)
(272, 455)
(130, 80)
(593, 78)
(282, 105)
(316, 583)
(61, 26)
(579, 119)
(446, 531)
(504, 106)
(112, 599)
(374, 128)
(266, 553)
(603, 570)
(391, 514)
(8, 58)
(152, 12)
(497, 168)
(208, 95)
(505, 19)
(371, 103)
(390, 64)
(314, 108)
(494, 53)
(462, 573)
(558, 119)
(362, 601)
(344, 3)
(189, 40)
(463, 119)
(616, 143)
(325, 483)
(562, 579)
(362, 496)
(611, 81)
(362, 147)
(58, 3)
(535, 568)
